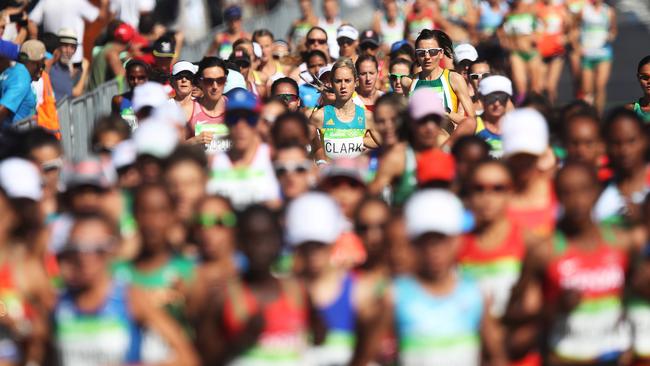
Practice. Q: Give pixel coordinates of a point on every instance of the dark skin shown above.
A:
(154, 215)
(35, 69)
(135, 76)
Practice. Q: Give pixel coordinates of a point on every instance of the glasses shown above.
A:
(288, 98)
(277, 56)
(183, 75)
(490, 188)
(474, 76)
(313, 41)
(364, 227)
(74, 248)
(207, 221)
(368, 46)
(644, 77)
(52, 165)
(337, 182)
(496, 97)
(433, 52)
(282, 169)
(395, 77)
(234, 118)
(344, 41)
(210, 81)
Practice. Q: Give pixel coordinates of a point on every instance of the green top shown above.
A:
(407, 183)
(645, 116)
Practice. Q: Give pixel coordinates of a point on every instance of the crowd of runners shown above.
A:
(413, 193)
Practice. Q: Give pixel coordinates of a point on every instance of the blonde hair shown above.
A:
(344, 62)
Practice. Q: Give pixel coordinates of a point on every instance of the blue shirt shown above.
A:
(9, 49)
(309, 95)
(16, 94)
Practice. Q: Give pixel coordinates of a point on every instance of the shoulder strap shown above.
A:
(560, 242)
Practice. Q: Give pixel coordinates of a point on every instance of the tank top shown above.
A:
(491, 19)
(283, 340)
(539, 221)
(107, 336)
(126, 110)
(454, 11)
(225, 46)
(519, 24)
(594, 30)
(638, 312)
(595, 330)
(442, 86)
(202, 122)
(493, 140)
(244, 185)
(495, 270)
(645, 116)
(575, 6)
(438, 330)
(552, 30)
(407, 183)
(343, 139)
(340, 320)
(391, 33)
(300, 31)
(419, 22)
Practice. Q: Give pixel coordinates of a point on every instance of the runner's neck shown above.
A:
(429, 75)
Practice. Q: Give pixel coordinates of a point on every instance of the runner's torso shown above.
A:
(201, 121)
(442, 86)
(343, 139)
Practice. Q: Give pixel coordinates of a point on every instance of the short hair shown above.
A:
(465, 141)
(262, 33)
(289, 117)
(617, 114)
(110, 124)
(365, 58)
(285, 80)
(39, 137)
(644, 61)
(208, 62)
(132, 63)
(313, 53)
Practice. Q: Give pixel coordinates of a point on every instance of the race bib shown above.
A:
(347, 143)
(220, 140)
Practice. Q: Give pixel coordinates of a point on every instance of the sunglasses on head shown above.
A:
(433, 52)
(206, 221)
(395, 77)
(490, 188)
(313, 41)
(288, 98)
(210, 81)
(282, 169)
(474, 76)
(496, 97)
(234, 118)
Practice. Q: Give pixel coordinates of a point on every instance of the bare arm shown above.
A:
(390, 167)
(492, 338)
(316, 123)
(613, 32)
(372, 139)
(115, 63)
(81, 84)
(4, 113)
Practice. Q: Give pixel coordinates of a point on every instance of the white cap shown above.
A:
(20, 178)
(181, 66)
(149, 94)
(495, 83)
(155, 138)
(124, 154)
(323, 70)
(235, 80)
(170, 112)
(257, 50)
(465, 51)
(313, 217)
(433, 211)
(347, 31)
(524, 131)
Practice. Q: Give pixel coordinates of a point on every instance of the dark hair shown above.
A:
(405, 49)
(441, 37)
(316, 29)
(150, 186)
(285, 118)
(132, 63)
(617, 114)
(583, 115)
(466, 141)
(313, 53)
(644, 61)
(488, 161)
(253, 212)
(288, 145)
(575, 107)
(285, 80)
(363, 58)
(110, 124)
(368, 200)
(146, 24)
(208, 62)
(399, 61)
(188, 153)
(240, 42)
(399, 103)
(50, 40)
(28, 220)
(110, 224)
(38, 137)
(262, 33)
(587, 168)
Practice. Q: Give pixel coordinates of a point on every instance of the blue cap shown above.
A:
(242, 99)
(397, 45)
(232, 12)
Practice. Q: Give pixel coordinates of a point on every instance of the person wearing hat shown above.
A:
(17, 100)
(183, 74)
(164, 55)
(244, 173)
(257, 80)
(107, 64)
(347, 38)
(439, 316)
(495, 93)
(369, 42)
(464, 55)
(222, 45)
(398, 167)
(68, 79)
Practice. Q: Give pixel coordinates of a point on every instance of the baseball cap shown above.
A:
(32, 50)
(465, 51)
(435, 166)
(313, 217)
(347, 31)
(397, 45)
(344, 167)
(181, 66)
(124, 33)
(232, 12)
(369, 36)
(524, 130)
(234, 80)
(164, 47)
(425, 102)
(241, 58)
(433, 211)
(324, 70)
(87, 172)
(155, 138)
(149, 94)
(242, 99)
(495, 83)
(20, 178)
(67, 36)
(124, 154)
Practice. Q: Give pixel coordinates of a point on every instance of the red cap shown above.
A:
(435, 165)
(124, 33)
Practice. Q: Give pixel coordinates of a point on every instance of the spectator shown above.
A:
(107, 64)
(68, 78)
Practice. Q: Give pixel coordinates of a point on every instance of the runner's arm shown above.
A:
(115, 63)
(374, 319)
(315, 124)
(372, 139)
(613, 30)
(81, 84)
(390, 167)
(492, 339)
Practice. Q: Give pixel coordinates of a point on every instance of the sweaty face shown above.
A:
(315, 63)
(343, 81)
(583, 141)
(136, 75)
(367, 76)
(427, 62)
(489, 191)
(386, 123)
